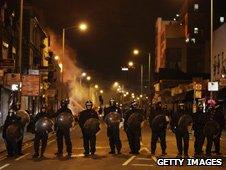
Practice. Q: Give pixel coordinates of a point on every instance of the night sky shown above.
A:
(116, 27)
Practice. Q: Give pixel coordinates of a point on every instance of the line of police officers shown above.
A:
(208, 125)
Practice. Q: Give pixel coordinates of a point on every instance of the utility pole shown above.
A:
(20, 42)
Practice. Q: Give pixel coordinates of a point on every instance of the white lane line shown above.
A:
(4, 166)
(17, 159)
(128, 161)
(78, 155)
(146, 165)
(145, 159)
(98, 147)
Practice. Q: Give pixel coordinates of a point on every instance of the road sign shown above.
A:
(30, 85)
(213, 86)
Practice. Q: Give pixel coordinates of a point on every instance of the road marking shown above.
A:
(145, 159)
(98, 147)
(4, 166)
(17, 159)
(142, 165)
(128, 161)
(78, 155)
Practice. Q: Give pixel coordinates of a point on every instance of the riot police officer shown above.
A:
(132, 126)
(40, 136)
(89, 138)
(158, 126)
(199, 120)
(14, 121)
(113, 128)
(182, 134)
(220, 119)
(63, 132)
(213, 129)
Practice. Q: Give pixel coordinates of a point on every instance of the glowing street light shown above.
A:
(88, 78)
(83, 26)
(56, 57)
(116, 84)
(101, 91)
(130, 64)
(96, 86)
(83, 74)
(136, 52)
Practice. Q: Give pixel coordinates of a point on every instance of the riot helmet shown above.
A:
(89, 104)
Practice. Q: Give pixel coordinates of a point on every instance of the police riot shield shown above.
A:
(113, 119)
(211, 129)
(25, 118)
(64, 120)
(91, 126)
(14, 133)
(135, 120)
(185, 122)
(44, 125)
(159, 123)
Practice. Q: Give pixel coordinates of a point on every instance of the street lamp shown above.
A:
(96, 86)
(101, 91)
(56, 57)
(83, 74)
(116, 84)
(130, 64)
(88, 78)
(82, 27)
(136, 51)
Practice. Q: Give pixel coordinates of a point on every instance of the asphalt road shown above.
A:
(102, 160)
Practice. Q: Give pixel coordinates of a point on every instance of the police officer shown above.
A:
(11, 146)
(63, 132)
(199, 120)
(158, 126)
(132, 126)
(16, 107)
(220, 119)
(40, 136)
(89, 141)
(113, 132)
(217, 123)
(182, 136)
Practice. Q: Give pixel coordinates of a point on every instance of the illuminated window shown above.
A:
(221, 19)
(196, 30)
(196, 7)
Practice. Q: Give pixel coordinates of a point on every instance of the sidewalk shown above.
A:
(27, 137)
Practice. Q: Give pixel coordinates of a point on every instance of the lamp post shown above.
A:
(82, 27)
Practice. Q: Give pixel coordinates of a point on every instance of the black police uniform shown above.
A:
(40, 136)
(12, 148)
(199, 120)
(113, 133)
(158, 127)
(89, 142)
(133, 133)
(182, 136)
(218, 116)
(63, 133)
